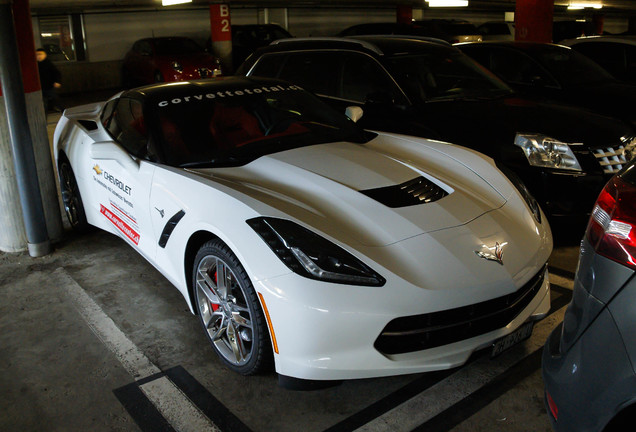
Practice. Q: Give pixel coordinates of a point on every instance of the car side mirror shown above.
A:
(354, 113)
(108, 150)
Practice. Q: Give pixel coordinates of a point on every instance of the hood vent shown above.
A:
(417, 191)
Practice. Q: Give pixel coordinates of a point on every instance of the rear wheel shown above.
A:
(71, 197)
(229, 310)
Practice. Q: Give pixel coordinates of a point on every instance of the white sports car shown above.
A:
(299, 238)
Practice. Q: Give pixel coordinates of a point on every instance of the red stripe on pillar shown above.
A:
(220, 24)
(26, 45)
(533, 20)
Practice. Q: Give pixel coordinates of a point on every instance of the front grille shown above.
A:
(611, 159)
(420, 332)
(420, 190)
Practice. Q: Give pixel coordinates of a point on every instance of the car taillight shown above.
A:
(612, 227)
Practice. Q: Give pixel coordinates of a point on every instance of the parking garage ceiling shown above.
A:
(609, 6)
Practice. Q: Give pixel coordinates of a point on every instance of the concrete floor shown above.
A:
(93, 338)
(63, 368)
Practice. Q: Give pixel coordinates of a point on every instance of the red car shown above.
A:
(165, 59)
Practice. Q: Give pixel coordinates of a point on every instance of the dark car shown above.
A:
(166, 59)
(451, 31)
(588, 360)
(617, 54)
(558, 74)
(454, 30)
(567, 29)
(247, 38)
(390, 28)
(563, 154)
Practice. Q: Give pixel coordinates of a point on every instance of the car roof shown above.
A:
(518, 45)
(378, 45)
(624, 39)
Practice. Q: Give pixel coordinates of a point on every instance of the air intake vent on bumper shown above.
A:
(417, 191)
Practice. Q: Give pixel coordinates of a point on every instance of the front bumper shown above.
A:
(323, 334)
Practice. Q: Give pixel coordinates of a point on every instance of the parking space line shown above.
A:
(205, 401)
(143, 412)
(169, 400)
(471, 405)
(467, 380)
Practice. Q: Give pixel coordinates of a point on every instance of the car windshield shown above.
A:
(176, 46)
(438, 76)
(234, 127)
(572, 68)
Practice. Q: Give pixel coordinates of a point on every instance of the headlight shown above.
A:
(543, 151)
(177, 66)
(311, 255)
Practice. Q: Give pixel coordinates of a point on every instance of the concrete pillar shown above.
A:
(21, 228)
(221, 35)
(278, 16)
(533, 20)
(404, 14)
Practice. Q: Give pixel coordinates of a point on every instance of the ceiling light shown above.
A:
(447, 3)
(578, 6)
(174, 2)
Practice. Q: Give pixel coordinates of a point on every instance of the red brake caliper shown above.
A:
(214, 306)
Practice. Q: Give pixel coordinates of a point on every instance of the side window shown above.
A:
(107, 113)
(127, 126)
(363, 77)
(630, 60)
(480, 55)
(313, 71)
(609, 55)
(145, 48)
(517, 68)
(268, 66)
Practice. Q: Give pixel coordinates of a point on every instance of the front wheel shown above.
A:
(229, 310)
(71, 197)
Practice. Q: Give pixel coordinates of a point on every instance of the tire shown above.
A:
(71, 198)
(230, 312)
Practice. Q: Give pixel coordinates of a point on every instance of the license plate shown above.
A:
(508, 341)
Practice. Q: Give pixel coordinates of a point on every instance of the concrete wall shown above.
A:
(109, 35)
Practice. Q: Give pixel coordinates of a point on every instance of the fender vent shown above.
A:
(417, 191)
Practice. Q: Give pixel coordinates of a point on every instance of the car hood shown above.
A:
(607, 97)
(321, 186)
(487, 124)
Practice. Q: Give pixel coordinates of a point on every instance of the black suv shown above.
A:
(411, 86)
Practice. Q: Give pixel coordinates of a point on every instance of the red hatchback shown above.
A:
(165, 59)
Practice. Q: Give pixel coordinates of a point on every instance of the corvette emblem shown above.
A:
(492, 254)
(97, 169)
